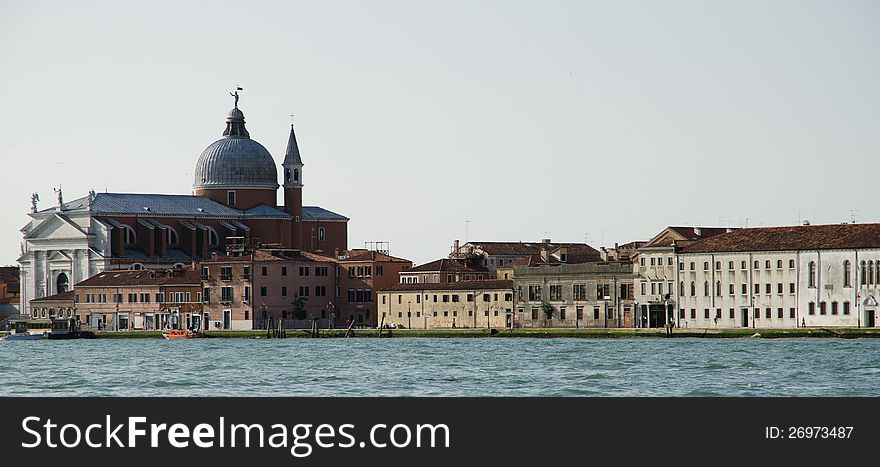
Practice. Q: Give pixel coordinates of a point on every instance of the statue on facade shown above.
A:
(34, 198)
(91, 198)
(60, 197)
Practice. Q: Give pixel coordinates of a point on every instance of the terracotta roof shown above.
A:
(370, 255)
(682, 234)
(448, 265)
(63, 296)
(800, 237)
(142, 277)
(525, 248)
(460, 285)
(9, 274)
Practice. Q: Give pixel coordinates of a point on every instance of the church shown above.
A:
(233, 200)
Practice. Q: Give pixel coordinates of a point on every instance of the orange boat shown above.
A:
(182, 334)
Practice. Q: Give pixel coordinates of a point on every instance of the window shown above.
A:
(642, 261)
(284, 291)
(283, 271)
(706, 288)
(812, 273)
(246, 272)
(264, 271)
(226, 294)
(681, 266)
(561, 313)
(757, 289)
(681, 313)
(833, 308)
(485, 297)
(230, 198)
(455, 298)
(732, 313)
(171, 235)
(380, 270)
(743, 266)
(846, 308)
(579, 312)
(693, 313)
(470, 297)
(779, 288)
(732, 289)
(351, 296)
(669, 261)
(320, 234)
(706, 313)
(351, 271)
(693, 266)
(718, 288)
(534, 313)
(445, 298)
(718, 265)
(791, 264)
(705, 266)
(768, 313)
(555, 292)
(871, 272)
(730, 265)
(534, 292)
(847, 274)
(652, 261)
(779, 266)
(693, 289)
(791, 313)
(226, 273)
(263, 291)
(757, 264)
(791, 287)
(822, 310)
(812, 308)
(579, 291)
(213, 239)
(767, 264)
(745, 289)
(768, 288)
(595, 313)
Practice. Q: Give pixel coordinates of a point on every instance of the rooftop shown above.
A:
(143, 277)
(447, 265)
(790, 238)
(460, 285)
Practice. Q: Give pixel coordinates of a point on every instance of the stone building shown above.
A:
(143, 299)
(234, 195)
(656, 274)
(461, 304)
(446, 270)
(492, 255)
(781, 277)
(589, 294)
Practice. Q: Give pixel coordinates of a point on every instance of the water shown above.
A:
(442, 367)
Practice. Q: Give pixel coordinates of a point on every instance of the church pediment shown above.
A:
(56, 226)
(59, 256)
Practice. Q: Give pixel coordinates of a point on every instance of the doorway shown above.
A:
(227, 319)
(745, 317)
(871, 318)
(656, 315)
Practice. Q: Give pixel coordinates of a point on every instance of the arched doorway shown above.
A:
(61, 283)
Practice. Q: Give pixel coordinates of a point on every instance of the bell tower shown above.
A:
(292, 167)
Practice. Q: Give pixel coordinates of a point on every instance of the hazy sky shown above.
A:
(568, 120)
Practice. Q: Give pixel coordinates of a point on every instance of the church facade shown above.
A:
(233, 200)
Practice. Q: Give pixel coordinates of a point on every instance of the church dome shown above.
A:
(235, 161)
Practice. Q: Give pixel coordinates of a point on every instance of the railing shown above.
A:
(225, 277)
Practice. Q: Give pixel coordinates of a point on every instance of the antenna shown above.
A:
(291, 119)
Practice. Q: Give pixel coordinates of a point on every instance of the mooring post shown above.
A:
(348, 332)
(381, 324)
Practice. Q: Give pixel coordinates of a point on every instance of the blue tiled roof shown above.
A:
(321, 214)
(265, 211)
(160, 205)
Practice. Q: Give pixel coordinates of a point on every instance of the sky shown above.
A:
(426, 122)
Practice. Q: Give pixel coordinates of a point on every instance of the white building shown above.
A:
(780, 277)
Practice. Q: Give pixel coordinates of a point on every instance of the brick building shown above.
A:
(446, 270)
(235, 194)
(143, 299)
(362, 274)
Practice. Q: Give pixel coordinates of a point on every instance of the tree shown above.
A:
(299, 308)
(548, 310)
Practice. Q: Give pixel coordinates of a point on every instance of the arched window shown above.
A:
(864, 273)
(61, 283)
(812, 270)
(171, 235)
(779, 264)
(681, 289)
(137, 267)
(705, 265)
(757, 264)
(706, 289)
(767, 264)
(693, 266)
(213, 239)
(718, 288)
(286, 175)
(847, 274)
(296, 175)
(870, 272)
(693, 289)
(130, 237)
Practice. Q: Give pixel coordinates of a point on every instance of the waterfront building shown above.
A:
(446, 305)
(234, 195)
(492, 255)
(363, 273)
(9, 291)
(551, 293)
(118, 300)
(656, 279)
(252, 286)
(781, 277)
(53, 312)
(446, 270)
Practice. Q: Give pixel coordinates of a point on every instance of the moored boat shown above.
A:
(182, 334)
(22, 336)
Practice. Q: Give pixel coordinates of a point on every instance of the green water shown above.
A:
(442, 367)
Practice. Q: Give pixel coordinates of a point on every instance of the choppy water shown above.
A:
(442, 367)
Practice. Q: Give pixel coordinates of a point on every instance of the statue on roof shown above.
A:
(91, 198)
(60, 197)
(235, 94)
(34, 198)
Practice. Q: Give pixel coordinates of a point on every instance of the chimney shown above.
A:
(698, 231)
(545, 254)
(728, 230)
(615, 246)
(455, 247)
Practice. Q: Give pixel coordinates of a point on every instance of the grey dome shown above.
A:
(235, 161)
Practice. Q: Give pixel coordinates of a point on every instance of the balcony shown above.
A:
(225, 277)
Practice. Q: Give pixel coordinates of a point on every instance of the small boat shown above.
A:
(182, 334)
(22, 336)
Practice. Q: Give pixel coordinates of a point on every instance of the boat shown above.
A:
(182, 334)
(22, 336)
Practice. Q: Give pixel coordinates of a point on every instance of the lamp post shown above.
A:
(605, 299)
(409, 315)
